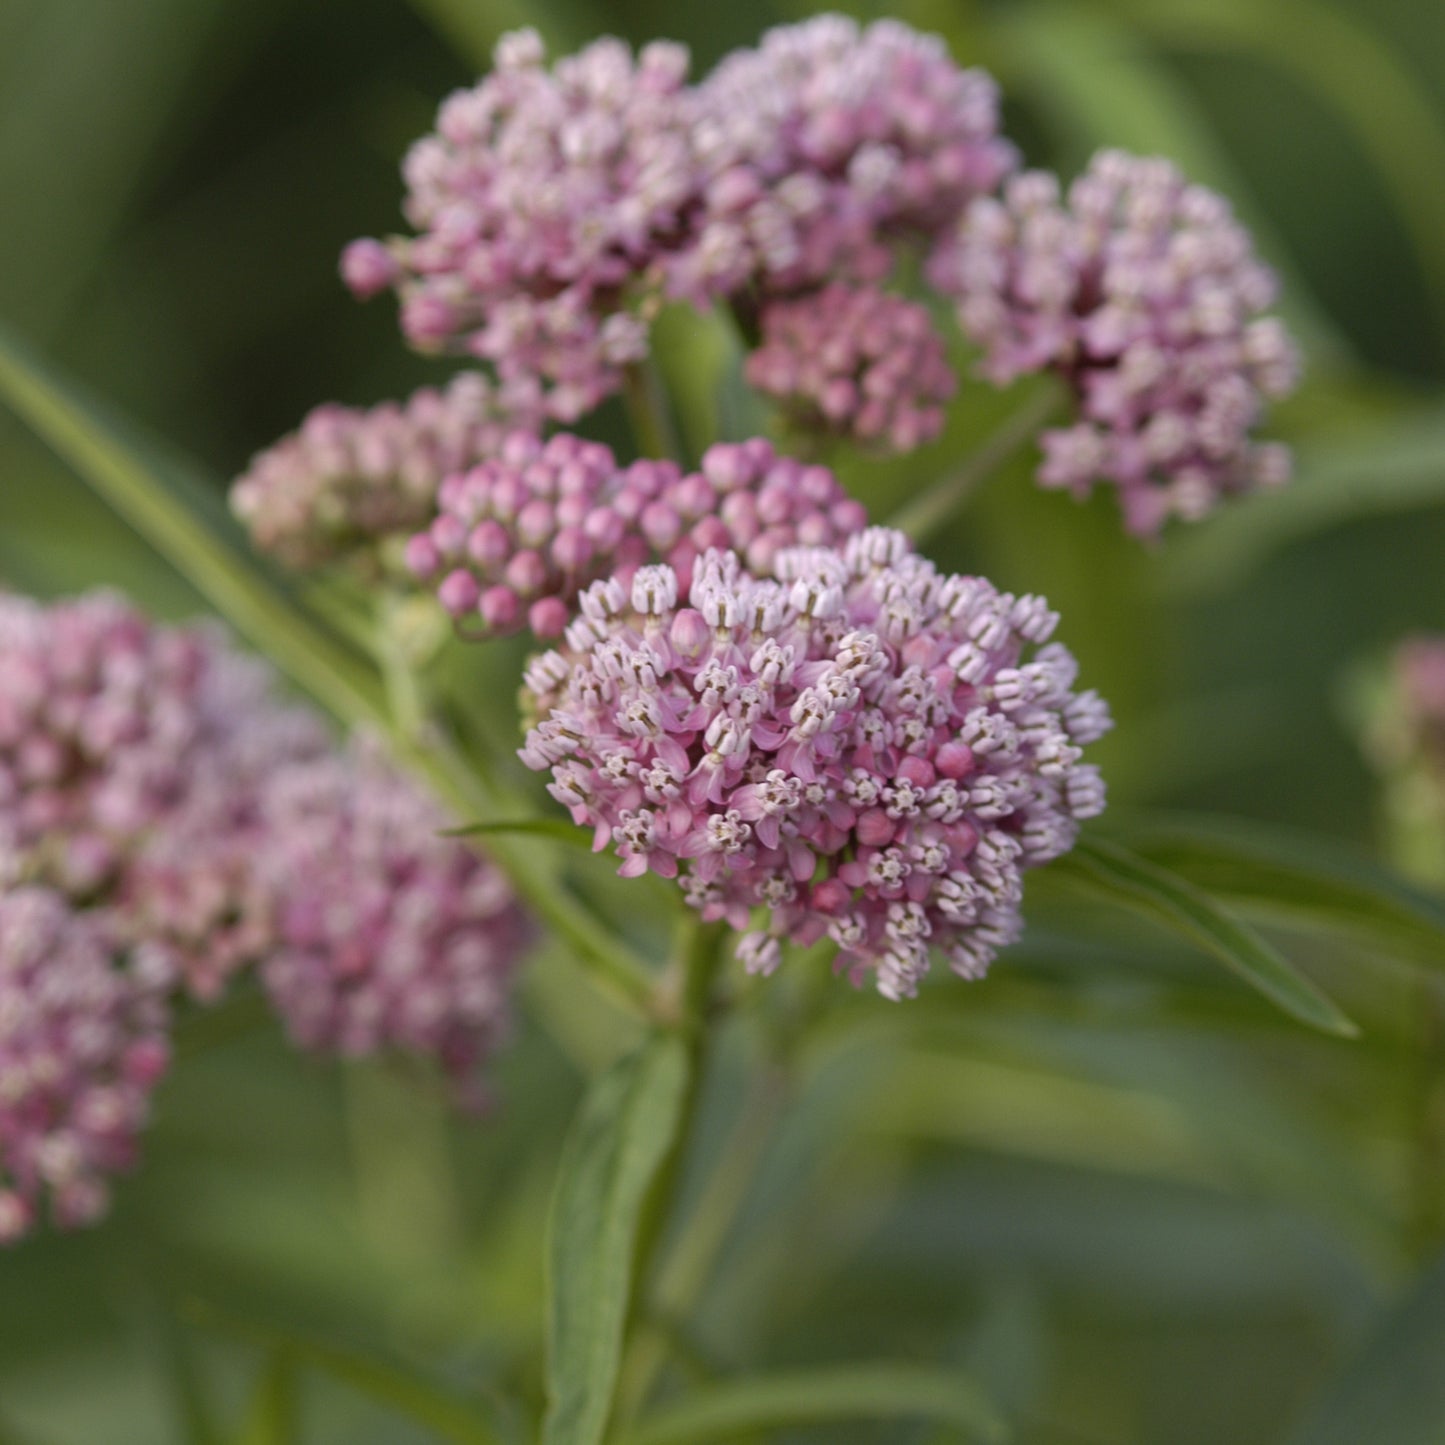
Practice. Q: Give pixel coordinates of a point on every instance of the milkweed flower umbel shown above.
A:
(857, 362)
(517, 537)
(152, 779)
(389, 936)
(1145, 294)
(557, 208)
(83, 1042)
(350, 478)
(858, 747)
(540, 201)
(827, 146)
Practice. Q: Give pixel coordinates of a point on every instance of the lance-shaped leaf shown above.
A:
(1297, 882)
(1122, 877)
(623, 1134)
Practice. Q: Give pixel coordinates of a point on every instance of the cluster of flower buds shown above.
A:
(349, 478)
(858, 747)
(556, 208)
(178, 823)
(518, 537)
(857, 362)
(1144, 292)
(83, 1042)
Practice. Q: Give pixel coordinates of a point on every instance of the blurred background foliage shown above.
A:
(1139, 1206)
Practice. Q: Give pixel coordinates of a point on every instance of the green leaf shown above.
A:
(272, 1416)
(1124, 878)
(621, 1137)
(812, 1397)
(446, 1414)
(1278, 877)
(553, 828)
(184, 522)
(1394, 1393)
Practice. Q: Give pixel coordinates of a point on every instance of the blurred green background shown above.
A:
(1145, 1210)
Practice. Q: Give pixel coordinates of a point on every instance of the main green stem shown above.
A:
(923, 516)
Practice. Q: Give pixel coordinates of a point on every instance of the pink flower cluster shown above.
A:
(83, 1041)
(825, 146)
(855, 361)
(1144, 292)
(540, 200)
(389, 936)
(1418, 701)
(555, 209)
(179, 824)
(517, 537)
(858, 747)
(349, 478)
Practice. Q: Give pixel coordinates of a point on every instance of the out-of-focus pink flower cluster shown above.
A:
(556, 208)
(83, 1041)
(182, 823)
(859, 747)
(518, 537)
(349, 478)
(1419, 672)
(389, 935)
(856, 362)
(1144, 292)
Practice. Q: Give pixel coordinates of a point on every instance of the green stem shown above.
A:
(419, 741)
(649, 412)
(686, 1271)
(923, 516)
(686, 998)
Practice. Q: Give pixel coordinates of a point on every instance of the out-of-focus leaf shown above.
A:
(814, 1397)
(622, 1135)
(272, 1416)
(1276, 876)
(436, 1407)
(553, 828)
(1395, 468)
(1351, 69)
(1395, 1391)
(184, 522)
(1103, 86)
(1120, 876)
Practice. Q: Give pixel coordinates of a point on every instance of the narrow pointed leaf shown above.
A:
(621, 1137)
(1122, 877)
(816, 1397)
(1275, 876)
